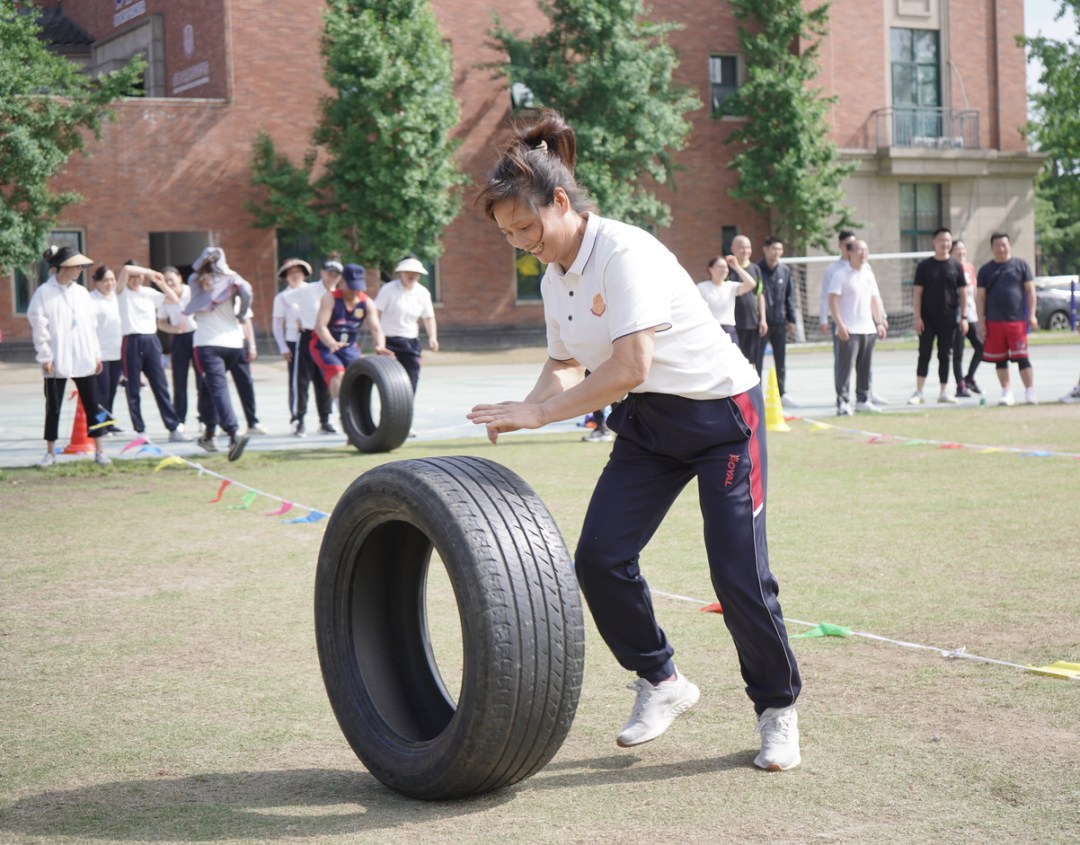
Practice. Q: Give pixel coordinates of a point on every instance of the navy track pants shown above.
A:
(141, 353)
(664, 441)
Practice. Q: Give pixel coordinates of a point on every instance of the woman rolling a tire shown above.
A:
(617, 302)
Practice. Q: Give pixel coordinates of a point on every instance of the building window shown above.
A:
(528, 271)
(916, 86)
(177, 249)
(723, 76)
(27, 281)
(727, 235)
(920, 215)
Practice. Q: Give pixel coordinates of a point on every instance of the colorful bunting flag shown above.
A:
(249, 497)
(151, 448)
(914, 443)
(221, 491)
(1059, 669)
(712, 608)
(314, 516)
(138, 441)
(951, 446)
(823, 630)
(169, 461)
(990, 450)
(819, 427)
(878, 438)
(1039, 454)
(285, 508)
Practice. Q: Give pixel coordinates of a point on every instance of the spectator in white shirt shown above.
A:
(402, 304)
(285, 324)
(63, 322)
(142, 350)
(719, 294)
(111, 338)
(307, 299)
(172, 320)
(853, 303)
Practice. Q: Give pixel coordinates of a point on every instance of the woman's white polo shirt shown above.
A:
(624, 281)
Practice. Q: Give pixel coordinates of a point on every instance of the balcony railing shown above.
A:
(927, 127)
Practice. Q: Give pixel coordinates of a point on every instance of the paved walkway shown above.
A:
(447, 392)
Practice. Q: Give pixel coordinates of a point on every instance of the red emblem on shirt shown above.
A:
(598, 306)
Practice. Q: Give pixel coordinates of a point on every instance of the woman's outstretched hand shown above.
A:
(505, 417)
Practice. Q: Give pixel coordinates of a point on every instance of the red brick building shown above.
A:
(931, 95)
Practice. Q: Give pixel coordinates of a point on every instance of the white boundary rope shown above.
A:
(953, 654)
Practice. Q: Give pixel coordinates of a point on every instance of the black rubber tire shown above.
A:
(521, 621)
(389, 378)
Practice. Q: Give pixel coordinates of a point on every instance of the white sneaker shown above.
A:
(48, 461)
(878, 399)
(655, 708)
(256, 429)
(1072, 396)
(177, 436)
(1029, 396)
(597, 436)
(779, 729)
(945, 399)
(867, 406)
(1006, 398)
(787, 402)
(843, 409)
(102, 459)
(916, 398)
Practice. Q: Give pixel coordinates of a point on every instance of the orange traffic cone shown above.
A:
(80, 439)
(774, 411)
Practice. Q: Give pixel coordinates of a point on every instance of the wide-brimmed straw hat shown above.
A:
(66, 256)
(289, 263)
(410, 265)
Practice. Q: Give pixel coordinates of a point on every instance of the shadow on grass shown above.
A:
(294, 803)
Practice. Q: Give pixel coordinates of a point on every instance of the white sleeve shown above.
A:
(39, 326)
(826, 282)
(157, 297)
(428, 310)
(836, 283)
(278, 325)
(382, 296)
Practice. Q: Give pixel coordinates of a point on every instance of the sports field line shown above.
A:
(1028, 453)
(954, 654)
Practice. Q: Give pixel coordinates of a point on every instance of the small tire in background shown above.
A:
(520, 615)
(389, 378)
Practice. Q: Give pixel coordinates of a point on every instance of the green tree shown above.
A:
(787, 166)
(608, 71)
(1055, 128)
(46, 104)
(383, 185)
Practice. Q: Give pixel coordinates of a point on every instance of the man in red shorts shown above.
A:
(1005, 286)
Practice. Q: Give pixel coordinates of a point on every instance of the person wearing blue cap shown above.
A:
(342, 313)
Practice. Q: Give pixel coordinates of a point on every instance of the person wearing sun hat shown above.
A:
(285, 322)
(307, 299)
(63, 320)
(402, 304)
(342, 313)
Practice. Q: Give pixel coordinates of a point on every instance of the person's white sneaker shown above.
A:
(878, 399)
(598, 436)
(1029, 396)
(256, 429)
(779, 729)
(655, 708)
(916, 398)
(102, 459)
(787, 402)
(1006, 398)
(1072, 396)
(867, 406)
(177, 436)
(48, 461)
(843, 409)
(945, 399)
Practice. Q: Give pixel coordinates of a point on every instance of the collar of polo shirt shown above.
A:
(592, 224)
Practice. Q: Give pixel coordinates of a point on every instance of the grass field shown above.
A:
(159, 681)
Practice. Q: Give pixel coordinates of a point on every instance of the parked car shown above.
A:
(1053, 299)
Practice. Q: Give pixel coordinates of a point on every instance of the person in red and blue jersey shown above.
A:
(342, 313)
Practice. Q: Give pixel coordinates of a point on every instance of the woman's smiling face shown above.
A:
(548, 233)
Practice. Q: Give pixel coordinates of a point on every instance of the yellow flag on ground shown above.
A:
(172, 459)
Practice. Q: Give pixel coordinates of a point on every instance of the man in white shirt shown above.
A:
(402, 304)
(853, 303)
(142, 349)
(285, 320)
(305, 299)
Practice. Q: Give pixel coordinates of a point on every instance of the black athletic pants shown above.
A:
(107, 380)
(213, 362)
(958, 353)
(664, 441)
(304, 373)
(54, 401)
(407, 350)
(777, 336)
(142, 354)
(181, 358)
(751, 344)
(944, 329)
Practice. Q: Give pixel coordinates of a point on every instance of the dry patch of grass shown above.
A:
(158, 675)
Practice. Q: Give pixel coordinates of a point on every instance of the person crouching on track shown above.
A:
(221, 343)
(342, 313)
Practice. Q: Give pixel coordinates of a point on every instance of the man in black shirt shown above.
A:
(940, 297)
(749, 317)
(779, 292)
(1006, 290)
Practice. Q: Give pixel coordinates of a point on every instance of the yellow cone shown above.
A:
(774, 411)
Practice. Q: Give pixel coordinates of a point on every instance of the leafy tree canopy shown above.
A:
(1055, 129)
(787, 166)
(608, 71)
(380, 182)
(45, 104)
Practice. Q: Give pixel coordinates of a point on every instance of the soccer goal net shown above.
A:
(895, 273)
